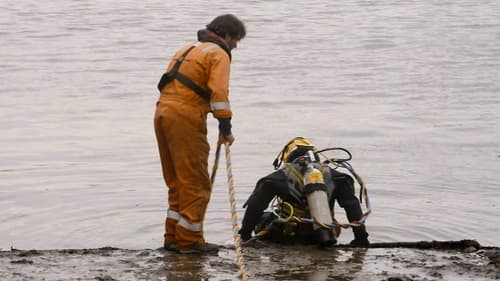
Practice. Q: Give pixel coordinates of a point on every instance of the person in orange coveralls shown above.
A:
(196, 83)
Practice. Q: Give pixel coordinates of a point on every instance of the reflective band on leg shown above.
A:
(189, 226)
(173, 215)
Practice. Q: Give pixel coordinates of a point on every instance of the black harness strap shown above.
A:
(174, 73)
(188, 82)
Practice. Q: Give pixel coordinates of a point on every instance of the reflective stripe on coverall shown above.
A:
(181, 131)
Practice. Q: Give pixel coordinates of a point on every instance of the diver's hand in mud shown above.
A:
(253, 242)
(227, 140)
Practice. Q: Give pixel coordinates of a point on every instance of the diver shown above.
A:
(303, 191)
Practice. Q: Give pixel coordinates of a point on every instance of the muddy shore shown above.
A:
(413, 261)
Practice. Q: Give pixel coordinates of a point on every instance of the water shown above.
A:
(409, 87)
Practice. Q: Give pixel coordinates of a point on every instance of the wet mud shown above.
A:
(263, 261)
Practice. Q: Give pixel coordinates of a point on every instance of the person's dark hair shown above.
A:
(228, 25)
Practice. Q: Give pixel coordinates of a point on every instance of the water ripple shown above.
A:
(410, 88)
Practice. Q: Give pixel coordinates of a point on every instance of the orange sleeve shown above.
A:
(218, 84)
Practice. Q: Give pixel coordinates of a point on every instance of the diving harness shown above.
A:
(308, 174)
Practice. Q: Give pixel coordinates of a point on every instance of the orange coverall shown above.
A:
(181, 131)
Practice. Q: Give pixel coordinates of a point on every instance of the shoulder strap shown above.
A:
(174, 73)
(188, 82)
(181, 59)
(293, 172)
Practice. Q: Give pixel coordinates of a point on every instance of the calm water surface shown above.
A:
(411, 88)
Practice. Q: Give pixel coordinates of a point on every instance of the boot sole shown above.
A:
(198, 252)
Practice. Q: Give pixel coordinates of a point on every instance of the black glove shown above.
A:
(245, 235)
(225, 126)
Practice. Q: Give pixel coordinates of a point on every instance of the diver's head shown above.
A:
(295, 148)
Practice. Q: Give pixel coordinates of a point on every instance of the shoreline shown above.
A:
(459, 260)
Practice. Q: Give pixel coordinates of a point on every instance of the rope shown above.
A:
(232, 201)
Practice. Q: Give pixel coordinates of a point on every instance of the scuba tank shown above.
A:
(308, 191)
(317, 200)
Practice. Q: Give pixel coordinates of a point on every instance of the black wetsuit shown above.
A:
(340, 187)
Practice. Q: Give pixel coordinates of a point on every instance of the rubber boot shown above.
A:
(170, 247)
(205, 248)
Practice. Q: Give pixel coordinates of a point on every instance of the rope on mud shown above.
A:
(232, 201)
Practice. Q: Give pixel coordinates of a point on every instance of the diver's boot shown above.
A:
(360, 237)
(325, 237)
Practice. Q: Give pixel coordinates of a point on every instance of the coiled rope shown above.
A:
(236, 237)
